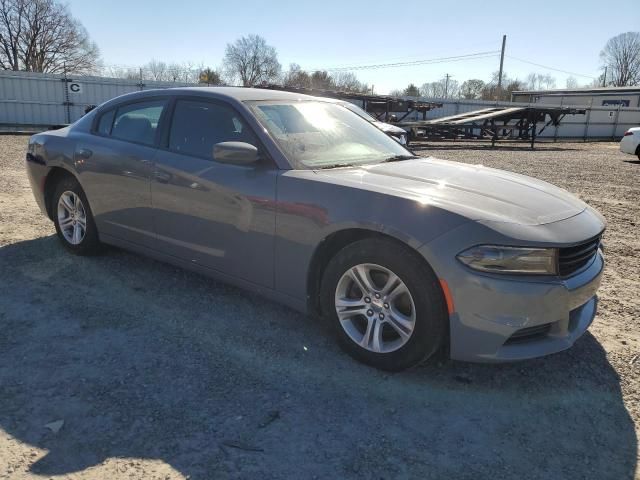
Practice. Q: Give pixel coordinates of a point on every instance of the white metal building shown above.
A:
(36, 101)
(588, 97)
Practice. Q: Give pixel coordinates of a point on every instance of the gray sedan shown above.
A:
(305, 202)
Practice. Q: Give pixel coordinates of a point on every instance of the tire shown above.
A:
(87, 242)
(424, 305)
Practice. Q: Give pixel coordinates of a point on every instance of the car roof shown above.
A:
(240, 93)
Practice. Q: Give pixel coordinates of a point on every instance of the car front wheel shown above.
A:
(384, 304)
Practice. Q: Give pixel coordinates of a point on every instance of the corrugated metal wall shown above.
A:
(34, 100)
(596, 99)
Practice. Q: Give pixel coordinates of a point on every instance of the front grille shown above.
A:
(529, 333)
(572, 259)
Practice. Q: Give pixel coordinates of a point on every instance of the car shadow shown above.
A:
(633, 162)
(141, 360)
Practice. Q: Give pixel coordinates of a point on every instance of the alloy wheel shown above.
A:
(72, 217)
(375, 308)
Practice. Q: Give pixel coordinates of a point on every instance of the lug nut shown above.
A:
(381, 316)
(377, 295)
(367, 300)
(386, 305)
(370, 312)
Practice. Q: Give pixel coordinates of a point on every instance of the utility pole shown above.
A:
(604, 79)
(504, 41)
(446, 85)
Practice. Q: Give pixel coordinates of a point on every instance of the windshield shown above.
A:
(316, 134)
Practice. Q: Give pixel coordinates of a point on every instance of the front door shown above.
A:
(213, 214)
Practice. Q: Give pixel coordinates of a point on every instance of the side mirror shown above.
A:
(393, 119)
(236, 153)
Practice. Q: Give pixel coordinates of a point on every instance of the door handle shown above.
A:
(84, 153)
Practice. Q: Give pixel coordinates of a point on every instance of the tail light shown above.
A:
(626, 134)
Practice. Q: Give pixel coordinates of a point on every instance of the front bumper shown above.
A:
(557, 314)
(497, 318)
(629, 144)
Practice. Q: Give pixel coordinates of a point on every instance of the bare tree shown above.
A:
(396, 93)
(539, 81)
(453, 89)
(509, 85)
(252, 61)
(621, 56)
(321, 79)
(157, 70)
(571, 82)
(472, 89)
(43, 36)
(348, 82)
(296, 77)
(129, 73)
(442, 88)
(432, 90)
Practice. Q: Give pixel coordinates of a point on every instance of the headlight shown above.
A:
(497, 259)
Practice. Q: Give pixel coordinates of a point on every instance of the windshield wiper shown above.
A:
(335, 165)
(397, 158)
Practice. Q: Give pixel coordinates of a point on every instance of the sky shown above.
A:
(564, 35)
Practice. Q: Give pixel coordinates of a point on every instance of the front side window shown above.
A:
(316, 134)
(197, 126)
(138, 122)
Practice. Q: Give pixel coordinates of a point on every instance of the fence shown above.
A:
(34, 101)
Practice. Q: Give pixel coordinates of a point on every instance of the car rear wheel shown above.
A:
(384, 304)
(73, 218)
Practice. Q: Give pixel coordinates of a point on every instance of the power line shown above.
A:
(550, 68)
(406, 57)
(456, 58)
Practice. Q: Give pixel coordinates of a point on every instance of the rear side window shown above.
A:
(197, 126)
(105, 122)
(138, 122)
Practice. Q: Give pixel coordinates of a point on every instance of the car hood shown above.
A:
(388, 128)
(474, 191)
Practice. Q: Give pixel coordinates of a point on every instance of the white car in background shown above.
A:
(630, 143)
(398, 134)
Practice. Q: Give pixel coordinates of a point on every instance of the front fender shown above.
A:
(310, 209)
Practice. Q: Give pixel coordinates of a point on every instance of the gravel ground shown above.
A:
(118, 366)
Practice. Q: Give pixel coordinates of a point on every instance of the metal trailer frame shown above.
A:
(497, 123)
(380, 106)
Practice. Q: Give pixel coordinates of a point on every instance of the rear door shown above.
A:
(117, 164)
(213, 214)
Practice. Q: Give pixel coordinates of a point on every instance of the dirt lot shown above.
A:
(160, 373)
